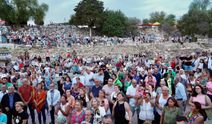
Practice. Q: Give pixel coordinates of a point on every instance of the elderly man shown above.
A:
(53, 98)
(180, 94)
(26, 92)
(8, 103)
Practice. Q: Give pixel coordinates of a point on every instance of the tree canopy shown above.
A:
(198, 19)
(18, 12)
(167, 22)
(107, 22)
(114, 23)
(88, 12)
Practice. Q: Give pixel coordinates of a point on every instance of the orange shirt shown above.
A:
(40, 99)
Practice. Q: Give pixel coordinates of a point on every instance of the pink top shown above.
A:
(201, 99)
(209, 86)
(77, 118)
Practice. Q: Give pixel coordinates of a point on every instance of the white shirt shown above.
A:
(87, 79)
(146, 111)
(55, 99)
(162, 103)
(131, 91)
(2, 94)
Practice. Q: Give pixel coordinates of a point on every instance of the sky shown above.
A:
(61, 10)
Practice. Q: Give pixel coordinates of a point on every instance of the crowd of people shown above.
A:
(123, 89)
(54, 35)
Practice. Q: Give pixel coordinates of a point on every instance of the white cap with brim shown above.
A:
(3, 76)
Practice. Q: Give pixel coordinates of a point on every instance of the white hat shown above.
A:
(3, 76)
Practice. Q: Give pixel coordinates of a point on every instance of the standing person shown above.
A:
(67, 84)
(88, 117)
(199, 96)
(39, 101)
(8, 103)
(170, 112)
(103, 101)
(97, 110)
(161, 100)
(26, 92)
(196, 115)
(78, 114)
(21, 116)
(158, 77)
(109, 88)
(53, 98)
(96, 88)
(131, 94)
(204, 100)
(121, 110)
(61, 109)
(146, 109)
(180, 94)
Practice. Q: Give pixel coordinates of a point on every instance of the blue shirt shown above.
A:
(11, 100)
(95, 90)
(180, 92)
(3, 118)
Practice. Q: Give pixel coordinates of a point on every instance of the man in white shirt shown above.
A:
(88, 78)
(53, 98)
(131, 94)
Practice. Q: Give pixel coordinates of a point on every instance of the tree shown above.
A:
(197, 20)
(145, 21)
(132, 26)
(88, 12)
(157, 17)
(200, 5)
(18, 12)
(114, 24)
(167, 22)
(40, 14)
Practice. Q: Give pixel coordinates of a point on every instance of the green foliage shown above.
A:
(198, 20)
(132, 26)
(114, 23)
(108, 22)
(200, 5)
(88, 12)
(18, 12)
(157, 17)
(167, 21)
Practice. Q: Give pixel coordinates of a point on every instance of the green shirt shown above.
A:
(170, 115)
(8, 84)
(127, 84)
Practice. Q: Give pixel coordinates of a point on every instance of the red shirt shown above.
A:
(80, 85)
(26, 91)
(21, 65)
